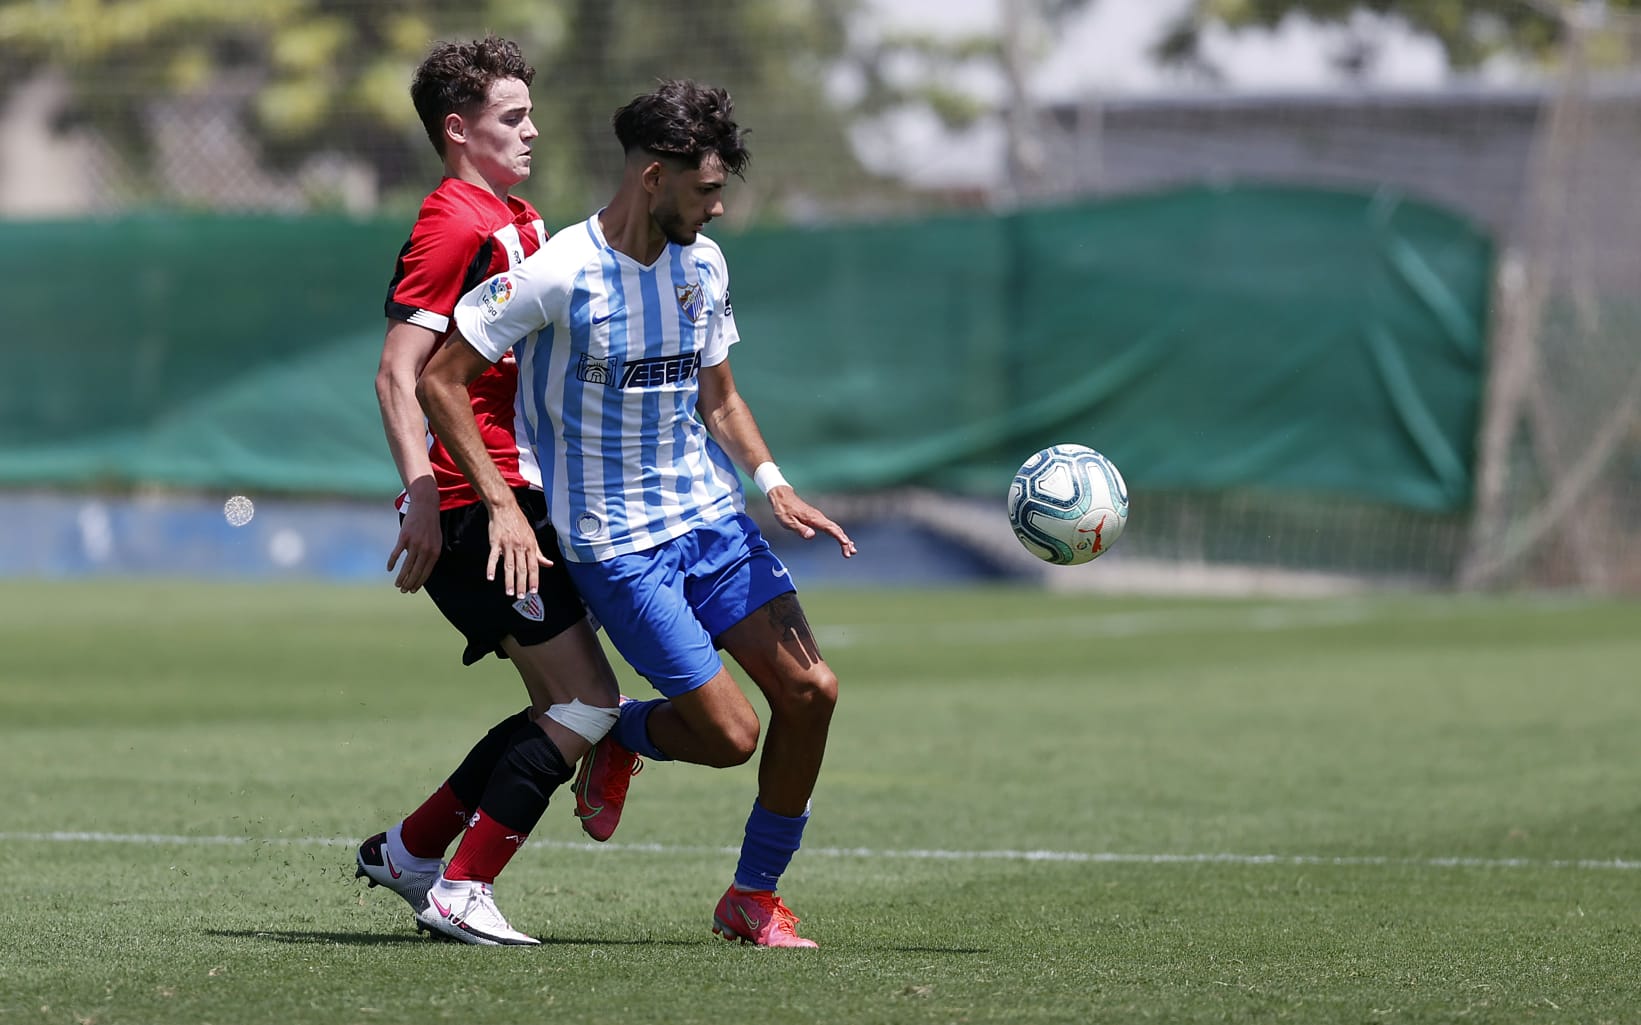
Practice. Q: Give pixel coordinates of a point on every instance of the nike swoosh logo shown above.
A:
(597, 320)
(751, 923)
(444, 912)
(783, 571)
(387, 859)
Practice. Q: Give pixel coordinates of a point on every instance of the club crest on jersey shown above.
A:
(595, 369)
(691, 300)
(494, 295)
(530, 608)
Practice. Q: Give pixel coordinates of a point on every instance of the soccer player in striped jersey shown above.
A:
(622, 327)
(474, 100)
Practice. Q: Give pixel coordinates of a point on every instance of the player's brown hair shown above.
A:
(684, 121)
(455, 78)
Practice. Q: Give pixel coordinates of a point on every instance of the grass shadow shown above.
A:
(377, 939)
(294, 937)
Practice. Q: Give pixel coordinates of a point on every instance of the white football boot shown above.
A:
(466, 911)
(384, 861)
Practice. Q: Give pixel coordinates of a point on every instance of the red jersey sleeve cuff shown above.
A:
(421, 318)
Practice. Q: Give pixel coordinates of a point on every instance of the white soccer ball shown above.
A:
(1068, 504)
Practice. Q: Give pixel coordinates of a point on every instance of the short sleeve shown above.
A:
(721, 333)
(503, 310)
(428, 279)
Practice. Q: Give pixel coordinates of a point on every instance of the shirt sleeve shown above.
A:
(432, 266)
(721, 333)
(504, 309)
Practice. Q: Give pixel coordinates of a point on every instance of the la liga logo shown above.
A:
(494, 295)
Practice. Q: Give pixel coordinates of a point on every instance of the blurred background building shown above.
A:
(1352, 293)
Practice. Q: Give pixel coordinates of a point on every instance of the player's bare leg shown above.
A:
(777, 649)
(706, 726)
(712, 725)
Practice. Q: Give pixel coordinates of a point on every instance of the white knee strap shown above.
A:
(587, 721)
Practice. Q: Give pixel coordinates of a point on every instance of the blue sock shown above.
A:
(770, 842)
(632, 729)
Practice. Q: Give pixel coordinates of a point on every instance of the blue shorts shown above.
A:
(664, 609)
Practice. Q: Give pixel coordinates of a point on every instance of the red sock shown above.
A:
(485, 850)
(428, 830)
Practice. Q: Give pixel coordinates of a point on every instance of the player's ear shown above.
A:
(455, 129)
(653, 173)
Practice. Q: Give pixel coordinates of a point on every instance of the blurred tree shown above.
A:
(935, 72)
(927, 70)
(1469, 31)
(310, 77)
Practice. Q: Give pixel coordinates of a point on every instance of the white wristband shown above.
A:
(768, 477)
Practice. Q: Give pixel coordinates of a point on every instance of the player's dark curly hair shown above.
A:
(684, 121)
(455, 78)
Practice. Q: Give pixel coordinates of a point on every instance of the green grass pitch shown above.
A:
(1035, 809)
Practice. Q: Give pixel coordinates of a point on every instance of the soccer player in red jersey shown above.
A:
(474, 100)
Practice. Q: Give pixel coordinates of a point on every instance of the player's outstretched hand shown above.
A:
(513, 545)
(805, 520)
(420, 543)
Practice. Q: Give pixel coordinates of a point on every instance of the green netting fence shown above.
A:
(1277, 339)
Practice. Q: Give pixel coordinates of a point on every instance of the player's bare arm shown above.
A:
(404, 351)
(730, 421)
(442, 391)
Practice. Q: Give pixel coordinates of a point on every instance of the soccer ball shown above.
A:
(1068, 504)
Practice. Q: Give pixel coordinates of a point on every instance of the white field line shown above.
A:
(871, 853)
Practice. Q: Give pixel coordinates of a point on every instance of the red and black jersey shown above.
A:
(463, 235)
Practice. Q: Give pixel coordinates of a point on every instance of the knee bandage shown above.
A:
(584, 720)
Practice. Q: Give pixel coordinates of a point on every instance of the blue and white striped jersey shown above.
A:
(608, 354)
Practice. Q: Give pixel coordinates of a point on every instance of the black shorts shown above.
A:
(482, 609)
